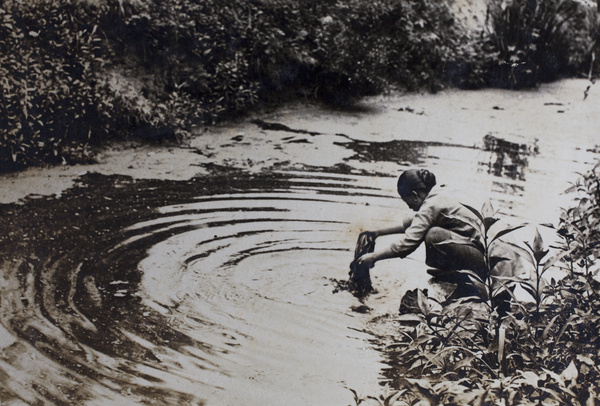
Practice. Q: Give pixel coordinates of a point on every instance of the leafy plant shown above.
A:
(490, 283)
(77, 72)
(49, 102)
(461, 334)
(388, 398)
(539, 40)
(580, 225)
(545, 352)
(446, 338)
(188, 62)
(538, 252)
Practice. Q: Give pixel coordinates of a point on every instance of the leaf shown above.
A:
(391, 399)
(423, 302)
(568, 323)
(488, 222)
(540, 255)
(496, 260)
(521, 252)
(502, 233)
(530, 257)
(570, 373)
(480, 286)
(537, 248)
(530, 378)
(487, 210)
(586, 360)
(501, 343)
(552, 260)
(471, 274)
(475, 212)
(548, 327)
(538, 242)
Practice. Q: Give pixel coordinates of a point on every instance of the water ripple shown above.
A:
(122, 291)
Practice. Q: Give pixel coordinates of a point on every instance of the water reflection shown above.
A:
(508, 158)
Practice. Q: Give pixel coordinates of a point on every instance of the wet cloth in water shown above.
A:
(360, 277)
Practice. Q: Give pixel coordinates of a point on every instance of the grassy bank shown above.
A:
(78, 72)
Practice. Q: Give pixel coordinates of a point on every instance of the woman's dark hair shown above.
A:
(414, 180)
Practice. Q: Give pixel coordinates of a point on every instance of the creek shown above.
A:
(220, 289)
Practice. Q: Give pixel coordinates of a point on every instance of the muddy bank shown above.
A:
(203, 274)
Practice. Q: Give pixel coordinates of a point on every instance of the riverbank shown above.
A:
(205, 273)
(451, 117)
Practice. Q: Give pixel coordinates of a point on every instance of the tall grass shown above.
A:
(540, 41)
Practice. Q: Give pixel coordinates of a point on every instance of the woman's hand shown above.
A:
(366, 260)
(368, 234)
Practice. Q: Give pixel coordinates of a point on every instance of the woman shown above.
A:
(436, 223)
(448, 239)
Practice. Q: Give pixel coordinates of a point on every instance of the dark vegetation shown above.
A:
(544, 351)
(77, 72)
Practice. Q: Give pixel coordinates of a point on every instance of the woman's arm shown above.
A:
(413, 232)
(395, 229)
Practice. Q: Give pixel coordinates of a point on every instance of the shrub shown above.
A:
(539, 41)
(580, 225)
(49, 101)
(373, 46)
(229, 53)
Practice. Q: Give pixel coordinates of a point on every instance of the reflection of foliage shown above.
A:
(542, 351)
(398, 151)
(510, 158)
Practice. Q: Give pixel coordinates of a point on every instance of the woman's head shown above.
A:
(414, 185)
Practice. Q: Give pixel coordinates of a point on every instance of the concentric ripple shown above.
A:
(128, 292)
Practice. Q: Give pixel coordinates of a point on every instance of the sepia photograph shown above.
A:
(299, 202)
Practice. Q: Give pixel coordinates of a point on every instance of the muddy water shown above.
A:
(220, 289)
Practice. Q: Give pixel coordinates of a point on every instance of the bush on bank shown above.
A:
(76, 72)
(541, 41)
